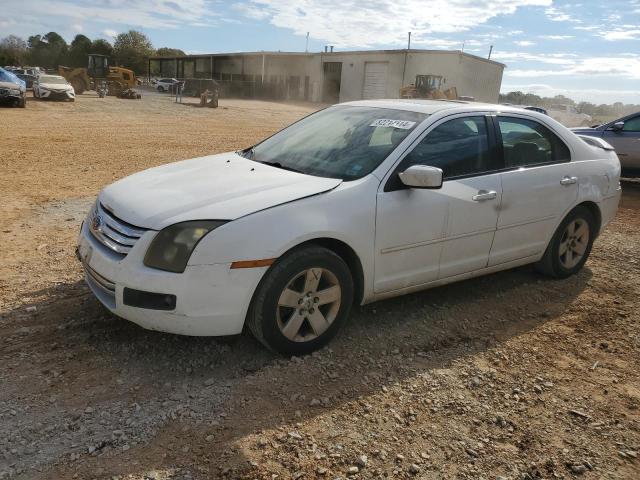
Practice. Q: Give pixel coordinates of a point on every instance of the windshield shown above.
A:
(346, 142)
(7, 76)
(54, 80)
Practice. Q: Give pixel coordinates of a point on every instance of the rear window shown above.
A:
(529, 143)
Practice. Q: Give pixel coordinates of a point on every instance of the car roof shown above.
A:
(430, 107)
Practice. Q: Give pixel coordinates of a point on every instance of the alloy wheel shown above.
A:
(573, 243)
(309, 304)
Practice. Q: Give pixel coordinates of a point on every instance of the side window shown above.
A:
(528, 143)
(632, 125)
(459, 147)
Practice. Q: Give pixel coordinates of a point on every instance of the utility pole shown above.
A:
(490, 50)
(406, 54)
(306, 46)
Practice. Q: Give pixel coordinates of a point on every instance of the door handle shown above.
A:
(484, 195)
(568, 180)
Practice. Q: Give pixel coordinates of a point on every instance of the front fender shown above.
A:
(346, 213)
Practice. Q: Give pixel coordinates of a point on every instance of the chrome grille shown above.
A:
(103, 282)
(113, 233)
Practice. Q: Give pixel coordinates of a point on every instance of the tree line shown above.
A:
(129, 49)
(617, 109)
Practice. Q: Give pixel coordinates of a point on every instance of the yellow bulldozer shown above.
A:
(429, 87)
(99, 74)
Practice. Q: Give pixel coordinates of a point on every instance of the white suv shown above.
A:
(166, 84)
(355, 203)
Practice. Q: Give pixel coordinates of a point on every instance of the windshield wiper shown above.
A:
(283, 167)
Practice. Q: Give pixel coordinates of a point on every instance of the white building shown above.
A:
(332, 77)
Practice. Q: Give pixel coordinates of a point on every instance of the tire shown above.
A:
(275, 317)
(23, 103)
(160, 89)
(569, 249)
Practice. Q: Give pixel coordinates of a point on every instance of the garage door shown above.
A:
(375, 80)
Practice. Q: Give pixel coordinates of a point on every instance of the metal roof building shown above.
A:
(333, 77)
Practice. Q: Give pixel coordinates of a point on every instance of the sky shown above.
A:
(588, 50)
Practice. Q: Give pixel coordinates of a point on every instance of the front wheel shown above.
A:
(571, 244)
(302, 301)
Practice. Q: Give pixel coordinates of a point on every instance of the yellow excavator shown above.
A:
(429, 87)
(97, 74)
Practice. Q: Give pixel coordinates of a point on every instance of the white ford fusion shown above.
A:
(358, 202)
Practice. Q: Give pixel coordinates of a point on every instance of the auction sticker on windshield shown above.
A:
(387, 122)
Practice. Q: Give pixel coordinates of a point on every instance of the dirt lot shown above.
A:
(509, 376)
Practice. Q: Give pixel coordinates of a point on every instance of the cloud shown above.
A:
(351, 23)
(557, 15)
(557, 37)
(620, 34)
(160, 14)
(621, 67)
(524, 43)
(565, 59)
(110, 33)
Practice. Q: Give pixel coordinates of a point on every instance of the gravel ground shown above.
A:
(510, 376)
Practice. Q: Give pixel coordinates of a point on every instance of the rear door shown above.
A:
(539, 184)
(627, 143)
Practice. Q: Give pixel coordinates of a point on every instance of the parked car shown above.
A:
(28, 79)
(355, 203)
(166, 84)
(624, 135)
(53, 87)
(13, 90)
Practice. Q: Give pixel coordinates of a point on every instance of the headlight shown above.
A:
(172, 246)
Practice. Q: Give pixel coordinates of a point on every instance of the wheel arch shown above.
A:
(348, 254)
(595, 211)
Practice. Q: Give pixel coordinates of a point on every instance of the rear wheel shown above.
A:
(302, 301)
(571, 244)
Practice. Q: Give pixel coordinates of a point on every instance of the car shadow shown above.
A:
(106, 359)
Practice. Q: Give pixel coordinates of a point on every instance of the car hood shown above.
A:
(216, 187)
(56, 86)
(11, 85)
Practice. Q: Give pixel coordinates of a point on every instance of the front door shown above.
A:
(627, 143)
(424, 235)
(538, 189)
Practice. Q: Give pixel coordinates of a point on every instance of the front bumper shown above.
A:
(210, 299)
(57, 94)
(6, 97)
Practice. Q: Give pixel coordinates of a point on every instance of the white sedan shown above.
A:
(355, 203)
(53, 87)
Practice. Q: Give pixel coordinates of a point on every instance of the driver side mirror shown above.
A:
(617, 127)
(421, 176)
